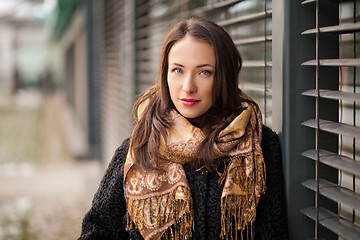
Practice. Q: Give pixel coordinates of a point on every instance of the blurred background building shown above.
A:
(300, 63)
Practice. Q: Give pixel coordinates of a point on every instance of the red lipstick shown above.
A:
(188, 102)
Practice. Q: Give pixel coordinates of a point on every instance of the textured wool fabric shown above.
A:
(106, 220)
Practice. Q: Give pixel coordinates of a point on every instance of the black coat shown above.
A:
(106, 220)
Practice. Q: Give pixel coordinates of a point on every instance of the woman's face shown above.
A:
(190, 76)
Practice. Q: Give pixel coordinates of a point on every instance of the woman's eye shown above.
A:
(177, 70)
(205, 72)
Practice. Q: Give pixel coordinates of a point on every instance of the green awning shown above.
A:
(63, 14)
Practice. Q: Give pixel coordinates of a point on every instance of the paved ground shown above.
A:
(44, 192)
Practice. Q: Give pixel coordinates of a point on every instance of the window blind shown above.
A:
(345, 222)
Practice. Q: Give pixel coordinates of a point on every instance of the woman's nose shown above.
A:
(189, 85)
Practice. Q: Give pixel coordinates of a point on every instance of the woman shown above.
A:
(194, 166)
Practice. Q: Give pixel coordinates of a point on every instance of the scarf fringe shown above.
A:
(176, 226)
(238, 211)
(239, 220)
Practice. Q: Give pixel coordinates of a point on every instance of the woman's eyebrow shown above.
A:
(177, 64)
(198, 66)
(205, 65)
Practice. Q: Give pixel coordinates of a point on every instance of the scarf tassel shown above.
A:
(239, 219)
(238, 211)
(161, 210)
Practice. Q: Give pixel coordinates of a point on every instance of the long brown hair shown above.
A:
(152, 123)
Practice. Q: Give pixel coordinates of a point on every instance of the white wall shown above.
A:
(23, 47)
(7, 57)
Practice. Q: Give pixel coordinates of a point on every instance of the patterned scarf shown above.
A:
(159, 203)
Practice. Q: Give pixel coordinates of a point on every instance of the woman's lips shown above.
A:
(189, 102)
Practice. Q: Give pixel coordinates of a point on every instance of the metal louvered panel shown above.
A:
(348, 28)
(345, 23)
(316, 239)
(334, 160)
(214, 7)
(257, 87)
(253, 40)
(308, 1)
(117, 84)
(172, 9)
(95, 74)
(247, 18)
(336, 95)
(329, 1)
(111, 74)
(142, 52)
(339, 225)
(335, 193)
(247, 64)
(334, 127)
(334, 62)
